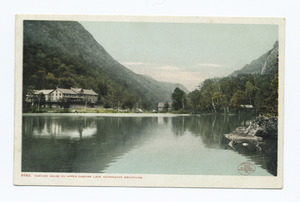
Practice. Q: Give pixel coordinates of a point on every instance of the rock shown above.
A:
(245, 140)
(261, 128)
(241, 138)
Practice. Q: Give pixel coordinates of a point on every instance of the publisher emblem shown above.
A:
(246, 168)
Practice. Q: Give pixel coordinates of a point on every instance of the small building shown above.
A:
(46, 92)
(247, 106)
(161, 107)
(137, 110)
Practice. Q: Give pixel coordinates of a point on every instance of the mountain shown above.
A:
(64, 54)
(253, 90)
(265, 64)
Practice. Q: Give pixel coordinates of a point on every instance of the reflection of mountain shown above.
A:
(85, 144)
(266, 158)
(61, 145)
(211, 129)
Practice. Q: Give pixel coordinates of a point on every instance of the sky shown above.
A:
(185, 53)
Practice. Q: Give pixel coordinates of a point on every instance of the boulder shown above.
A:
(261, 128)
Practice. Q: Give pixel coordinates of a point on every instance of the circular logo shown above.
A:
(246, 168)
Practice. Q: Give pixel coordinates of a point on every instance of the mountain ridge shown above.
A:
(262, 65)
(80, 56)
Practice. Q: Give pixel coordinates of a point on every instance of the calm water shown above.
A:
(137, 143)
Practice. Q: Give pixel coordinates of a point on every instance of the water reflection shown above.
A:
(94, 144)
(211, 129)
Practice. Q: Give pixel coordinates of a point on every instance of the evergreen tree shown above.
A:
(179, 99)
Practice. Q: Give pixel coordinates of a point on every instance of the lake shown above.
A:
(140, 143)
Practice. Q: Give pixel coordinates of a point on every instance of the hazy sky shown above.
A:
(185, 53)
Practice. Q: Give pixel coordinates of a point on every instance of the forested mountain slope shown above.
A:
(64, 54)
(253, 88)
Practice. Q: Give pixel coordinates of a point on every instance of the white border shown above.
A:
(147, 180)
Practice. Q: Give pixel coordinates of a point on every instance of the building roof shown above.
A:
(67, 91)
(44, 91)
(85, 91)
(89, 92)
(73, 91)
(77, 90)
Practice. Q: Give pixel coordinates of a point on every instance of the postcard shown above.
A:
(149, 101)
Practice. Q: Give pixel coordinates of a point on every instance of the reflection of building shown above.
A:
(58, 145)
(71, 129)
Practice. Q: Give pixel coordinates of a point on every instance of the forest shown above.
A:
(231, 94)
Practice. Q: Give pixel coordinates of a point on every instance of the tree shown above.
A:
(52, 82)
(128, 101)
(228, 88)
(194, 97)
(40, 100)
(114, 97)
(218, 100)
(64, 103)
(250, 92)
(179, 99)
(237, 100)
(66, 82)
(266, 97)
(28, 94)
(274, 95)
(207, 90)
(166, 106)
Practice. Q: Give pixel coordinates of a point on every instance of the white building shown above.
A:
(73, 95)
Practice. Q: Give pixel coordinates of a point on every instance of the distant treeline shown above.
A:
(232, 94)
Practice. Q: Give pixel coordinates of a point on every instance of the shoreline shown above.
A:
(128, 114)
(108, 114)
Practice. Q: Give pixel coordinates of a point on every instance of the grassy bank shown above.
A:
(81, 110)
